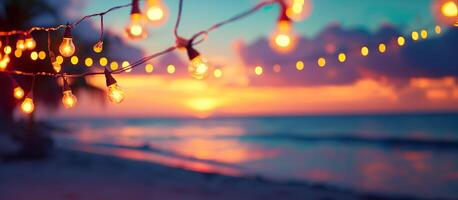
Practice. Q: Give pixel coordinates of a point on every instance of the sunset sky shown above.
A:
(418, 77)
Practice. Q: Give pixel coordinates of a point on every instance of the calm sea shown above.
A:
(413, 154)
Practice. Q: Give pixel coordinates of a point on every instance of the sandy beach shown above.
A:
(75, 175)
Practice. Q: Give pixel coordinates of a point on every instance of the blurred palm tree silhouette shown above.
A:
(20, 14)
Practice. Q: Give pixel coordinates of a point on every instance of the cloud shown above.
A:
(431, 58)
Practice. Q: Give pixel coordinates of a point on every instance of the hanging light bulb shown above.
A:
(115, 93)
(68, 99)
(298, 10)
(30, 43)
(98, 47)
(135, 29)
(198, 66)
(67, 48)
(7, 49)
(55, 63)
(4, 62)
(20, 44)
(283, 39)
(156, 12)
(27, 105)
(18, 92)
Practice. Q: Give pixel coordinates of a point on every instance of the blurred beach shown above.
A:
(395, 155)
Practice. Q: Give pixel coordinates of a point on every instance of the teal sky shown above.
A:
(199, 14)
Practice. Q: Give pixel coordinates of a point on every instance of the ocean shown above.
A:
(404, 154)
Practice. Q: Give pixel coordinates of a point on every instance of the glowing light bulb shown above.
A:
(67, 48)
(115, 93)
(382, 48)
(30, 43)
(27, 105)
(149, 68)
(135, 29)
(342, 57)
(74, 60)
(171, 69)
(283, 40)
(34, 55)
(20, 45)
(98, 47)
(415, 35)
(401, 41)
(258, 70)
(321, 62)
(299, 65)
(424, 34)
(438, 29)
(68, 99)
(298, 10)
(18, 92)
(218, 73)
(156, 12)
(88, 62)
(3, 64)
(364, 51)
(198, 66)
(18, 53)
(7, 49)
(449, 9)
(56, 66)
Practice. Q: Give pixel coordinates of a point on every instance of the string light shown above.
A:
(156, 12)
(18, 53)
(415, 35)
(30, 43)
(103, 61)
(18, 92)
(283, 39)
(135, 29)
(298, 9)
(126, 64)
(299, 65)
(401, 41)
(438, 29)
(424, 34)
(449, 9)
(68, 99)
(34, 55)
(114, 65)
(364, 51)
(115, 93)
(218, 73)
(88, 62)
(342, 57)
(321, 62)
(382, 48)
(20, 44)
(171, 69)
(7, 49)
(149, 68)
(27, 105)
(258, 70)
(98, 47)
(56, 65)
(60, 59)
(42, 55)
(198, 66)
(74, 60)
(67, 48)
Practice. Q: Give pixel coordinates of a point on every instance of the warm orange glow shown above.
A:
(198, 68)
(170, 69)
(298, 9)
(126, 64)
(18, 53)
(364, 51)
(74, 60)
(34, 55)
(438, 29)
(149, 68)
(56, 66)
(449, 9)
(18, 92)
(382, 48)
(401, 41)
(342, 57)
(135, 29)
(98, 47)
(88, 62)
(103, 61)
(7, 49)
(217, 73)
(67, 48)
(20, 45)
(299, 65)
(424, 34)
(27, 105)
(283, 40)
(114, 65)
(30, 43)
(69, 100)
(115, 93)
(415, 35)
(321, 62)
(258, 70)
(60, 60)
(42, 55)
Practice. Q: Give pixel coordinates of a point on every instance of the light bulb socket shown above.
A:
(68, 31)
(66, 85)
(109, 78)
(283, 9)
(135, 7)
(192, 53)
